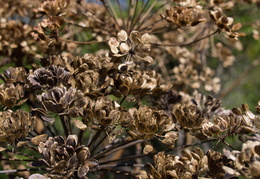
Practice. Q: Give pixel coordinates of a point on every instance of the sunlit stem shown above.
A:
(138, 15)
(132, 16)
(83, 43)
(121, 165)
(186, 44)
(116, 148)
(109, 11)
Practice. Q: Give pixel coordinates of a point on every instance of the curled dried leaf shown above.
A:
(147, 149)
(40, 138)
(80, 125)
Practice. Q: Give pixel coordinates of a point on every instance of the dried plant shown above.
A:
(122, 88)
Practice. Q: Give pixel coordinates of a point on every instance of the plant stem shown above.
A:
(83, 43)
(186, 44)
(95, 137)
(238, 80)
(65, 128)
(117, 148)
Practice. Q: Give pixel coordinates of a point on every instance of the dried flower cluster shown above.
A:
(107, 89)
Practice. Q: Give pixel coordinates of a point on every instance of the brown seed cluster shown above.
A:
(65, 156)
(14, 125)
(223, 22)
(183, 16)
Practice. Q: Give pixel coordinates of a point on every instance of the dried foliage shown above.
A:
(122, 88)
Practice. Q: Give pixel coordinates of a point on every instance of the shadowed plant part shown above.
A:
(62, 100)
(49, 77)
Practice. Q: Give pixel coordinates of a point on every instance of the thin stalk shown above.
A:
(126, 158)
(123, 99)
(118, 172)
(111, 7)
(97, 145)
(190, 145)
(133, 16)
(120, 12)
(144, 17)
(109, 11)
(227, 144)
(35, 133)
(115, 142)
(20, 160)
(31, 134)
(95, 137)
(116, 148)
(150, 26)
(154, 153)
(83, 12)
(49, 129)
(141, 10)
(80, 136)
(23, 170)
(68, 122)
(22, 154)
(147, 16)
(83, 43)
(186, 44)
(166, 29)
(65, 127)
(140, 13)
(121, 165)
(128, 14)
(28, 146)
(238, 80)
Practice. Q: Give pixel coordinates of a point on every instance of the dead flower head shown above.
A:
(66, 158)
(62, 100)
(223, 23)
(183, 16)
(11, 95)
(133, 46)
(14, 125)
(48, 77)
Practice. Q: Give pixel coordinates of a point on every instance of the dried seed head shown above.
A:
(122, 36)
(14, 125)
(15, 75)
(64, 157)
(11, 95)
(183, 16)
(63, 101)
(48, 77)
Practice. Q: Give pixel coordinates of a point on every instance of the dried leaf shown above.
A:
(80, 125)
(22, 143)
(236, 26)
(147, 149)
(40, 138)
